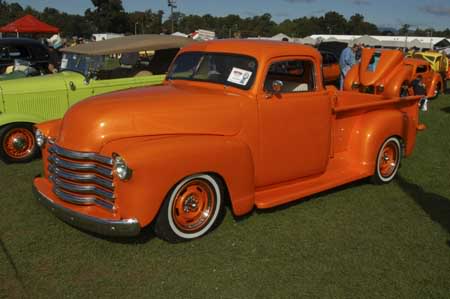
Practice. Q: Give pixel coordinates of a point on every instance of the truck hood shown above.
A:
(37, 84)
(150, 111)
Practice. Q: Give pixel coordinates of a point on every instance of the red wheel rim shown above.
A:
(193, 206)
(388, 159)
(18, 143)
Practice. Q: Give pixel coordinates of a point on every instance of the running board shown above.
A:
(338, 173)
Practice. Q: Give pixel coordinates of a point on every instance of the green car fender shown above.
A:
(6, 118)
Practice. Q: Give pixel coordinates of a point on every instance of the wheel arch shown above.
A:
(9, 118)
(397, 80)
(159, 163)
(371, 132)
(436, 84)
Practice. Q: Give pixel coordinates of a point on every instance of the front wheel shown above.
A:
(388, 161)
(17, 143)
(192, 208)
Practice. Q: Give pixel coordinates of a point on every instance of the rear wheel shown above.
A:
(17, 143)
(192, 208)
(388, 161)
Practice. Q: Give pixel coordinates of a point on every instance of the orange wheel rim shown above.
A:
(193, 206)
(388, 159)
(18, 143)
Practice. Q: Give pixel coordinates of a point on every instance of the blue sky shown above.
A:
(386, 13)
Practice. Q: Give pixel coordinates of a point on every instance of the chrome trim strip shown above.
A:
(80, 166)
(82, 178)
(54, 148)
(108, 227)
(83, 189)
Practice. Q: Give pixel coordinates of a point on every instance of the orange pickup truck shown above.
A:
(244, 122)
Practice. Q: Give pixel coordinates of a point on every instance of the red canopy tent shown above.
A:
(28, 24)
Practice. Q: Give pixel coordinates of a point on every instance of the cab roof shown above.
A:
(132, 43)
(415, 61)
(259, 49)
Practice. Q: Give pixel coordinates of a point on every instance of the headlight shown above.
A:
(355, 85)
(120, 168)
(380, 88)
(40, 137)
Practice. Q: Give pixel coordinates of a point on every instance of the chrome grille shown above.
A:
(81, 178)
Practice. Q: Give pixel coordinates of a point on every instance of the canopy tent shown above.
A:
(28, 24)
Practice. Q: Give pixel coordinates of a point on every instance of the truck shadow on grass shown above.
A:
(146, 235)
(437, 207)
(303, 200)
(446, 109)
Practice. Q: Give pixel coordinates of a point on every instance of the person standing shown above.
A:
(346, 61)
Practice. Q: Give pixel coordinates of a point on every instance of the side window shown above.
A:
(295, 75)
(40, 53)
(421, 69)
(328, 58)
(4, 53)
(19, 52)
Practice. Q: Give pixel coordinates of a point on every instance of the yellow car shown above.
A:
(438, 61)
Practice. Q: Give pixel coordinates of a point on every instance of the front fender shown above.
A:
(436, 84)
(394, 84)
(50, 128)
(158, 163)
(371, 131)
(7, 118)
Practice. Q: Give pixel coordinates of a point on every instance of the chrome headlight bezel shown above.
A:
(120, 168)
(40, 138)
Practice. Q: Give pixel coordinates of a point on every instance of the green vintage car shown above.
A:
(86, 70)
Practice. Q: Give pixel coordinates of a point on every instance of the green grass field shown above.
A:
(357, 241)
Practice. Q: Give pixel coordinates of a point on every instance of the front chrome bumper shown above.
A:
(107, 227)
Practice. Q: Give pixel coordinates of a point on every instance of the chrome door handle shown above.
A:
(72, 86)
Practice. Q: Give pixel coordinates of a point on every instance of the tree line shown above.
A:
(110, 16)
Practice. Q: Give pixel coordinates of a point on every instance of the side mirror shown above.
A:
(277, 86)
(88, 77)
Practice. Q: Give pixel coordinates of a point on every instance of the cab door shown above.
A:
(78, 86)
(294, 123)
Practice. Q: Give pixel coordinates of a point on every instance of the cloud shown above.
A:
(361, 2)
(299, 1)
(441, 11)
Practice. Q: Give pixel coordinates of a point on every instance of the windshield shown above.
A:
(227, 69)
(84, 63)
(81, 63)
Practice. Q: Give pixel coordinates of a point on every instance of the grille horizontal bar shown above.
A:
(83, 189)
(76, 166)
(81, 200)
(81, 178)
(80, 155)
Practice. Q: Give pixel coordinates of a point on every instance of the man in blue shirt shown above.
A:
(346, 61)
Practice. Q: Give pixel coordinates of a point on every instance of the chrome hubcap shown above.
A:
(19, 143)
(191, 204)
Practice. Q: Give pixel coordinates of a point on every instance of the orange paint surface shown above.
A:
(268, 149)
(392, 73)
